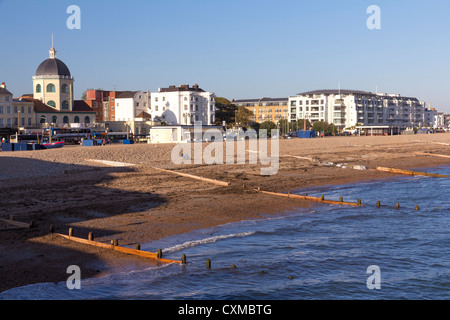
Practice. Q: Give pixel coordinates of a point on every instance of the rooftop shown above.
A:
(335, 92)
(183, 87)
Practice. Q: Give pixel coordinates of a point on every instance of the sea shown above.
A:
(327, 252)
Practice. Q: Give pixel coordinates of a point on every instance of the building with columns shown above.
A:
(53, 98)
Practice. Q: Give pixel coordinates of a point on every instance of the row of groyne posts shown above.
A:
(158, 256)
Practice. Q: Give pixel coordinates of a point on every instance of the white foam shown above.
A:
(191, 244)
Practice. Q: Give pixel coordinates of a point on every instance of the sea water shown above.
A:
(326, 252)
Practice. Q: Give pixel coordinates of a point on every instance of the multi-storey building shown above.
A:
(6, 107)
(346, 108)
(53, 96)
(266, 109)
(183, 105)
(129, 105)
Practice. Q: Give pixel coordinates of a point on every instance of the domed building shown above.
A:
(53, 92)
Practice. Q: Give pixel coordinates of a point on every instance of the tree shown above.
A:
(320, 126)
(268, 125)
(300, 124)
(243, 117)
(225, 111)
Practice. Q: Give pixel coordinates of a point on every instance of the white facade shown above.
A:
(183, 105)
(129, 105)
(346, 108)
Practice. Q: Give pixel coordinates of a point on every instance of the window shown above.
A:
(29, 109)
(15, 109)
(65, 88)
(156, 108)
(29, 121)
(66, 119)
(156, 99)
(76, 119)
(38, 88)
(2, 123)
(7, 99)
(43, 119)
(22, 109)
(51, 87)
(51, 103)
(8, 110)
(54, 119)
(1, 109)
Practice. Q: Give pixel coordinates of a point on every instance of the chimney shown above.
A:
(3, 86)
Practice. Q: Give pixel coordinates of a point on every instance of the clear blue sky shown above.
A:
(237, 49)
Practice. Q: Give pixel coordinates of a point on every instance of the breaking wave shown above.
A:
(191, 244)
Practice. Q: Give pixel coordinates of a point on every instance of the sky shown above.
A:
(242, 49)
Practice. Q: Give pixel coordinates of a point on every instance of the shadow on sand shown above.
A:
(59, 195)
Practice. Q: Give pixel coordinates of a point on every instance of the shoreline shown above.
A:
(140, 204)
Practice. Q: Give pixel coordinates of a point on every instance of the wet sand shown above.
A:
(139, 204)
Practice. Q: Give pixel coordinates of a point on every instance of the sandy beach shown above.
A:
(135, 204)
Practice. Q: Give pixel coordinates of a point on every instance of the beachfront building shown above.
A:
(53, 97)
(119, 105)
(266, 109)
(131, 105)
(183, 105)
(6, 107)
(346, 108)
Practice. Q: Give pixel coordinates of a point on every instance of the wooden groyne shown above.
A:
(309, 198)
(213, 181)
(143, 254)
(411, 173)
(17, 223)
(432, 154)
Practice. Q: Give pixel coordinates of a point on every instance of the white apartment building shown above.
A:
(183, 105)
(346, 108)
(6, 107)
(130, 105)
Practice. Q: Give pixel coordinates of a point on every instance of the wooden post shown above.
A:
(160, 254)
(378, 204)
(341, 199)
(91, 236)
(138, 247)
(359, 201)
(70, 232)
(208, 263)
(417, 207)
(397, 206)
(183, 258)
(52, 229)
